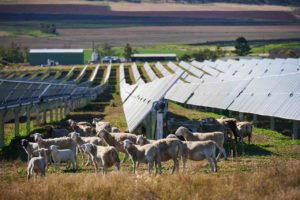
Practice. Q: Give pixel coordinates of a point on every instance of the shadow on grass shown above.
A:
(255, 150)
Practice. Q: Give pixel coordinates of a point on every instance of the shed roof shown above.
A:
(56, 51)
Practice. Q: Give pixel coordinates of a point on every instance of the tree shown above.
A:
(127, 51)
(104, 50)
(242, 47)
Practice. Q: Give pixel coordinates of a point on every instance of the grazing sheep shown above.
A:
(84, 128)
(142, 140)
(170, 148)
(55, 133)
(244, 129)
(230, 123)
(200, 150)
(217, 137)
(37, 165)
(63, 155)
(83, 140)
(148, 153)
(107, 156)
(30, 148)
(116, 140)
(62, 143)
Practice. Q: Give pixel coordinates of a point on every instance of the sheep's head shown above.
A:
(140, 140)
(180, 131)
(24, 143)
(102, 133)
(127, 143)
(115, 130)
(42, 152)
(37, 136)
(172, 136)
(73, 135)
(96, 120)
(53, 147)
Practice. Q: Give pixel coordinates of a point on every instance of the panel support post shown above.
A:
(295, 132)
(2, 115)
(254, 119)
(28, 120)
(56, 113)
(272, 123)
(241, 116)
(51, 115)
(149, 126)
(37, 115)
(44, 116)
(17, 122)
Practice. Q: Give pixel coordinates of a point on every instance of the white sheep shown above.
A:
(62, 143)
(84, 128)
(30, 148)
(115, 130)
(63, 155)
(101, 125)
(37, 165)
(106, 156)
(57, 132)
(83, 140)
(142, 140)
(217, 137)
(148, 153)
(200, 150)
(244, 129)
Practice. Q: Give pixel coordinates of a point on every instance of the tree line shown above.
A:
(15, 53)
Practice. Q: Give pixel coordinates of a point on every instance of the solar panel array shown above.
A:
(150, 72)
(136, 74)
(268, 87)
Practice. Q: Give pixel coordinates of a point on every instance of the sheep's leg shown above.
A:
(159, 167)
(118, 166)
(222, 150)
(134, 167)
(87, 162)
(175, 166)
(125, 158)
(95, 165)
(184, 164)
(150, 167)
(211, 164)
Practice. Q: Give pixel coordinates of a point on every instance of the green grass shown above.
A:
(87, 55)
(258, 49)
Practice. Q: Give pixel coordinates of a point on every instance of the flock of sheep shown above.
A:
(100, 143)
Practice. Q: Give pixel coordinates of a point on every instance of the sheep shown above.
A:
(199, 150)
(63, 155)
(141, 140)
(37, 165)
(30, 148)
(107, 156)
(55, 133)
(62, 143)
(170, 148)
(172, 136)
(116, 140)
(230, 123)
(217, 137)
(244, 129)
(83, 140)
(84, 128)
(148, 153)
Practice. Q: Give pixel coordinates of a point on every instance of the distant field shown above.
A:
(143, 36)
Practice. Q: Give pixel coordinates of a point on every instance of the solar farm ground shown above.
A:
(269, 168)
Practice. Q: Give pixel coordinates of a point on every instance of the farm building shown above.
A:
(56, 56)
(153, 57)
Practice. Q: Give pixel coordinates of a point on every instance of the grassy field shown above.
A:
(268, 169)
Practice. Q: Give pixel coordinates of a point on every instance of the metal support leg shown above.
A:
(2, 115)
(56, 114)
(149, 126)
(241, 116)
(51, 115)
(28, 120)
(272, 123)
(44, 116)
(17, 122)
(295, 132)
(37, 115)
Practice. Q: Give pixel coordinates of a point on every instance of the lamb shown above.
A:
(200, 150)
(244, 129)
(63, 155)
(172, 136)
(148, 153)
(83, 140)
(84, 128)
(107, 156)
(37, 165)
(217, 137)
(30, 148)
(116, 140)
(141, 140)
(62, 143)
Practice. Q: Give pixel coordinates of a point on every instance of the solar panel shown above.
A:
(150, 72)
(136, 74)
